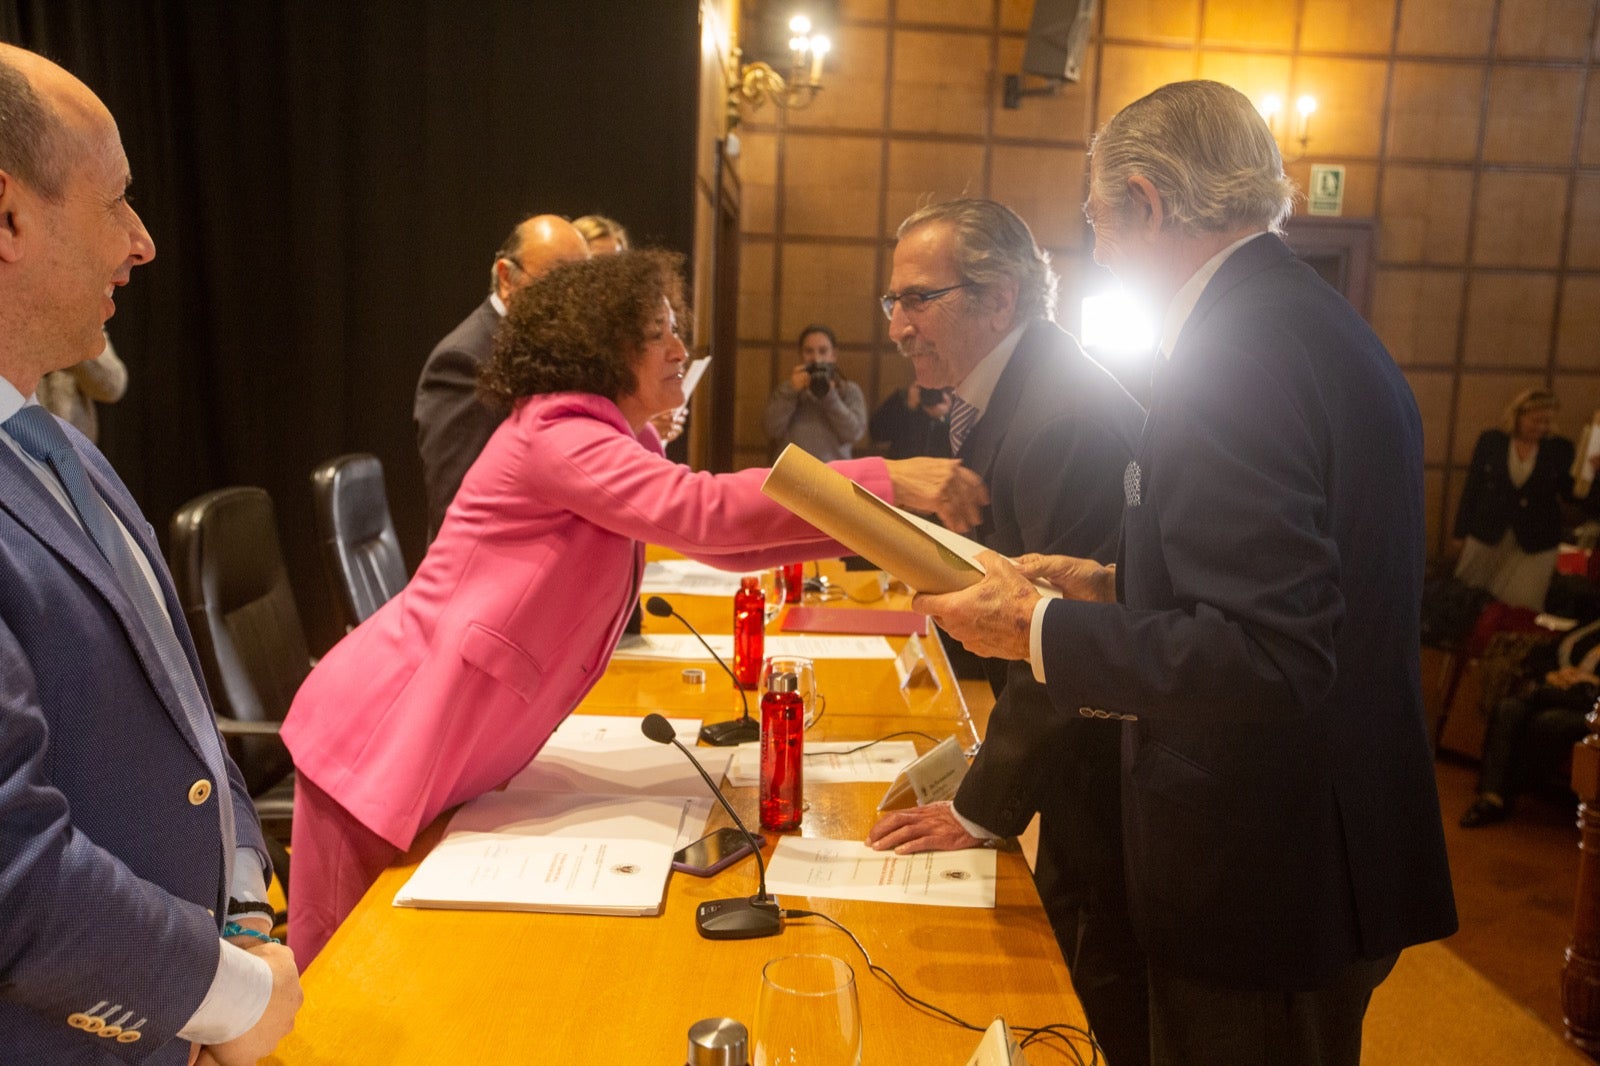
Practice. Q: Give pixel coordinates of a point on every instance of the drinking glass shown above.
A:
(774, 585)
(808, 1014)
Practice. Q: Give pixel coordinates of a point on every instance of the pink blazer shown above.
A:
(457, 682)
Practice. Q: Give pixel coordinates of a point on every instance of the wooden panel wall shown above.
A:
(1470, 130)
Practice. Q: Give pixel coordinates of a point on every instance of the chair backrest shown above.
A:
(359, 548)
(235, 594)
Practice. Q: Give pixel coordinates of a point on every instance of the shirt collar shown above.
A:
(1183, 304)
(498, 304)
(978, 386)
(11, 401)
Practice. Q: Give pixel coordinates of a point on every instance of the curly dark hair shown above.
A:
(581, 327)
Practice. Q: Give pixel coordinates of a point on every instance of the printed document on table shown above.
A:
(848, 869)
(483, 872)
(657, 770)
(571, 814)
(824, 763)
(545, 851)
(686, 577)
(597, 732)
(683, 647)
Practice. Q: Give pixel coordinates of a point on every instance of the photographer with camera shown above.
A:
(817, 408)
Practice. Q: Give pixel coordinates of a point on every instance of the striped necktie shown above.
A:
(40, 435)
(963, 416)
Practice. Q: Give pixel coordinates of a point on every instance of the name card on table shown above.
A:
(913, 667)
(997, 1048)
(934, 776)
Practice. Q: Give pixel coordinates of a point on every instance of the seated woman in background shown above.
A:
(1531, 730)
(457, 682)
(1510, 513)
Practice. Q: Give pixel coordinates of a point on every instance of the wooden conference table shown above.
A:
(401, 986)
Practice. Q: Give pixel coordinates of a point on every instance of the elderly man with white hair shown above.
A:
(1257, 637)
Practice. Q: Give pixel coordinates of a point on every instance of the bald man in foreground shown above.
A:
(134, 925)
(452, 424)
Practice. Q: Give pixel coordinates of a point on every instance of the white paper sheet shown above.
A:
(881, 762)
(691, 379)
(657, 819)
(657, 770)
(552, 874)
(683, 647)
(686, 577)
(596, 732)
(966, 548)
(848, 869)
(542, 851)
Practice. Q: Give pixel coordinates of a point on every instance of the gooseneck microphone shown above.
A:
(745, 730)
(725, 919)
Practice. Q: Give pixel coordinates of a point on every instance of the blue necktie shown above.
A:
(40, 435)
(963, 416)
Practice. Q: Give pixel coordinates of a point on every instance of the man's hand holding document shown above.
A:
(923, 555)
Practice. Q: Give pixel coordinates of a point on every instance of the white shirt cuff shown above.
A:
(249, 877)
(972, 828)
(1036, 640)
(238, 996)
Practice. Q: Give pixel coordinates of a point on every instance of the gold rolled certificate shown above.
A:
(926, 558)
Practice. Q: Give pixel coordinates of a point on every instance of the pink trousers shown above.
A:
(334, 860)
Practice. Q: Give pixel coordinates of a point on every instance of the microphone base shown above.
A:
(733, 731)
(739, 919)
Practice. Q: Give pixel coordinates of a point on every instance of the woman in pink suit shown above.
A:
(457, 682)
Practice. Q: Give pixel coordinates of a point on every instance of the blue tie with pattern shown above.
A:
(40, 435)
(963, 416)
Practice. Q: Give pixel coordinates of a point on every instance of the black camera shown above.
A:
(931, 398)
(822, 376)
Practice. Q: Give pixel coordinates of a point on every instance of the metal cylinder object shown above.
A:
(718, 1042)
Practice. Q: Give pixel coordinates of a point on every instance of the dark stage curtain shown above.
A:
(326, 183)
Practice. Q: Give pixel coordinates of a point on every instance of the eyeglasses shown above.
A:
(913, 301)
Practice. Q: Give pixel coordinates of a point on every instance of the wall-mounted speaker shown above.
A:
(1058, 36)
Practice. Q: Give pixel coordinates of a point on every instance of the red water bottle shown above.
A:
(749, 621)
(794, 580)
(783, 735)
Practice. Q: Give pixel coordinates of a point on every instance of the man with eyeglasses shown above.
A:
(452, 424)
(1051, 433)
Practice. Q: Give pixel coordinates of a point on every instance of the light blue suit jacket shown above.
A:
(113, 878)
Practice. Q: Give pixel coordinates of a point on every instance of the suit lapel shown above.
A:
(1250, 259)
(982, 445)
(1253, 257)
(144, 536)
(35, 509)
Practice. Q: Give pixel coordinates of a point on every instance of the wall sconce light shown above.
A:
(1286, 131)
(756, 83)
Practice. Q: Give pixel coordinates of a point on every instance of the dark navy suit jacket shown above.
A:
(1052, 445)
(111, 878)
(1279, 811)
(453, 425)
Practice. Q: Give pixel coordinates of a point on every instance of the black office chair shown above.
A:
(235, 594)
(359, 548)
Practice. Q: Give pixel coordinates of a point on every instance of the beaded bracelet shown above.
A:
(235, 929)
(250, 906)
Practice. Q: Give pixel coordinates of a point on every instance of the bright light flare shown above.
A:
(1114, 323)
